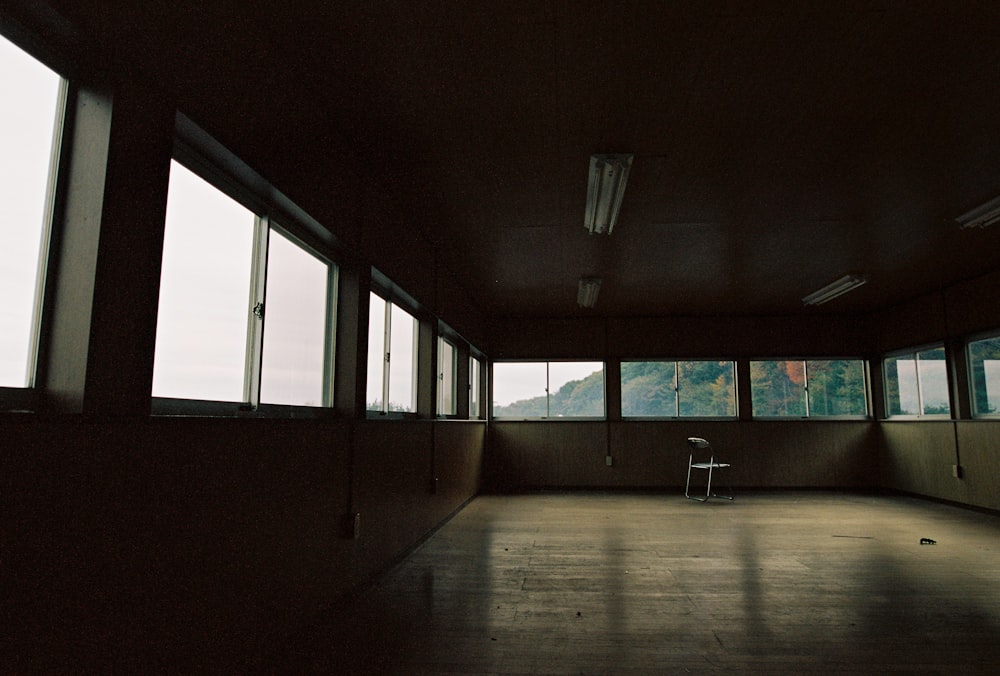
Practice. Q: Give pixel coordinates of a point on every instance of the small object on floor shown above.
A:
(927, 541)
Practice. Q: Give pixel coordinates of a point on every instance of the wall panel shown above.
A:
(180, 543)
(774, 454)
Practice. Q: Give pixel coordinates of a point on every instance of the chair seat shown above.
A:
(706, 465)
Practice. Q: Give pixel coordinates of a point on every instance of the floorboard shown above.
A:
(598, 583)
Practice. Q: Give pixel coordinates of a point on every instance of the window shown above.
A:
(916, 383)
(447, 375)
(668, 389)
(475, 383)
(808, 389)
(392, 358)
(295, 365)
(984, 373)
(31, 110)
(214, 340)
(558, 389)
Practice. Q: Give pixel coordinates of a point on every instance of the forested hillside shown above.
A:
(706, 388)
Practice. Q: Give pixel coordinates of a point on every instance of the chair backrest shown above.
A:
(700, 450)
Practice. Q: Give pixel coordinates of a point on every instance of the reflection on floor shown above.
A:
(585, 583)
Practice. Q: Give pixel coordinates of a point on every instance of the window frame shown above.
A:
(272, 213)
(973, 408)
(677, 391)
(807, 401)
(475, 383)
(548, 394)
(394, 300)
(443, 384)
(26, 398)
(915, 352)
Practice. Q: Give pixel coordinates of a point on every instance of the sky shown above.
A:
(516, 381)
(205, 303)
(27, 125)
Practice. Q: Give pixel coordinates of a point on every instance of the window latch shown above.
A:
(258, 310)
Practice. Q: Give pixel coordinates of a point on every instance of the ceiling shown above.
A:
(778, 145)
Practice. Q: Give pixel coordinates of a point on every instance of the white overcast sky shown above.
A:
(28, 104)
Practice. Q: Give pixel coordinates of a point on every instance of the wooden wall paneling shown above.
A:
(530, 338)
(972, 306)
(979, 455)
(169, 543)
(458, 458)
(392, 490)
(918, 458)
(775, 454)
(914, 323)
(541, 454)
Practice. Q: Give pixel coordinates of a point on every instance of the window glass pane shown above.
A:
(984, 367)
(648, 388)
(917, 384)
(295, 325)
(475, 368)
(705, 388)
(901, 385)
(576, 389)
(933, 373)
(777, 388)
(201, 328)
(836, 387)
(29, 115)
(519, 389)
(376, 352)
(446, 378)
(402, 360)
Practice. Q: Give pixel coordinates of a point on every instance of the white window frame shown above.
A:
(383, 410)
(265, 221)
(447, 387)
(979, 337)
(677, 390)
(475, 387)
(915, 354)
(548, 390)
(806, 394)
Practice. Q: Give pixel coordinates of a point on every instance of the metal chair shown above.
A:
(701, 449)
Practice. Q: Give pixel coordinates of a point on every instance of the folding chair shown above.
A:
(701, 449)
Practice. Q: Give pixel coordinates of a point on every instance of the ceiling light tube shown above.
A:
(586, 295)
(834, 289)
(981, 216)
(605, 189)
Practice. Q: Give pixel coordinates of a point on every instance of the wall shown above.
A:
(173, 543)
(653, 454)
(793, 454)
(919, 456)
(136, 543)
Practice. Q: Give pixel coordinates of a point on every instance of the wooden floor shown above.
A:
(594, 583)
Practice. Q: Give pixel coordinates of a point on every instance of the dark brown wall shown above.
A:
(137, 543)
(177, 543)
(680, 337)
(525, 455)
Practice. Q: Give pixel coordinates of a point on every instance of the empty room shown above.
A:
(464, 336)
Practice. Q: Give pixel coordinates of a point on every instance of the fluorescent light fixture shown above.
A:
(981, 217)
(834, 289)
(586, 296)
(605, 188)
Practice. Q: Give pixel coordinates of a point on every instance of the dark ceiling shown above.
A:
(778, 145)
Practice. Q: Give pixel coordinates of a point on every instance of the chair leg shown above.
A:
(716, 495)
(687, 486)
